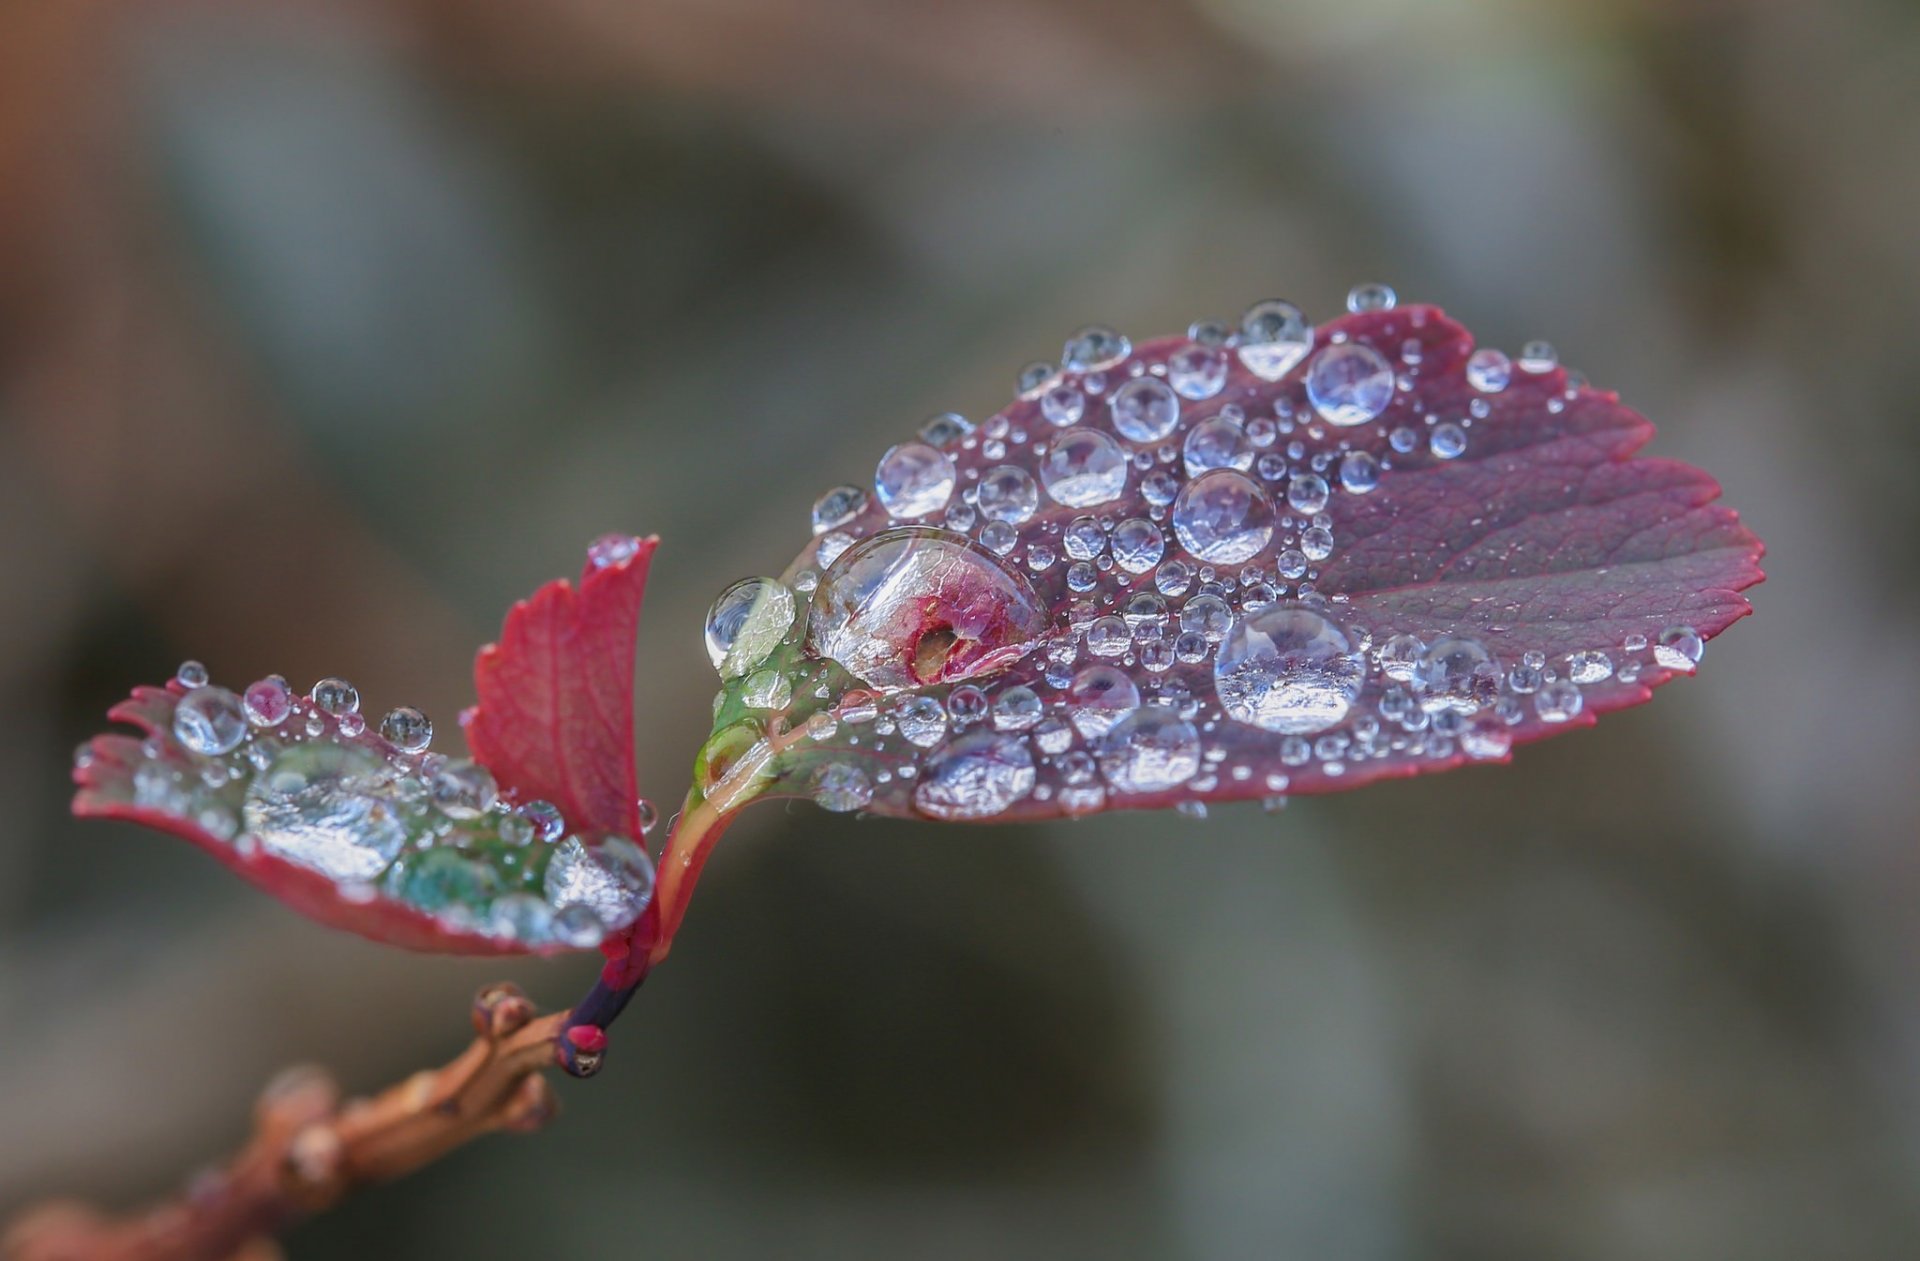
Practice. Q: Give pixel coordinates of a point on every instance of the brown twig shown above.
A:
(308, 1149)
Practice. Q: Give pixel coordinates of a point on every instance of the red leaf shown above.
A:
(538, 848)
(555, 718)
(1504, 521)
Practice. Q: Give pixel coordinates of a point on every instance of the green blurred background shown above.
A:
(329, 328)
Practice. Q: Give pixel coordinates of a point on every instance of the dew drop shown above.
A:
(1456, 673)
(1007, 493)
(1063, 405)
(1084, 467)
(464, 790)
(1558, 701)
(336, 697)
(976, 777)
(1489, 371)
(1274, 336)
(1217, 443)
(1359, 472)
(269, 701)
(1349, 384)
(922, 721)
(842, 788)
(1447, 441)
(1152, 749)
(745, 624)
(190, 675)
(1538, 356)
(1094, 349)
(1137, 545)
(1145, 409)
(1098, 697)
(916, 606)
(612, 877)
(610, 550)
(407, 729)
(1679, 648)
(837, 507)
(1223, 518)
(1197, 371)
(913, 479)
(1307, 494)
(210, 721)
(1287, 669)
(1371, 297)
(331, 808)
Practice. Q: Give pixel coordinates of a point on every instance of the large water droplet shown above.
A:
(1223, 518)
(210, 720)
(1456, 673)
(1274, 336)
(1197, 371)
(1350, 384)
(1150, 750)
(331, 808)
(612, 877)
(1084, 467)
(407, 729)
(1489, 371)
(976, 777)
(916, 606)
(1007, 493)
(1094, 348)
(837, 507)
(1287, 669)
(1145, 409)
(1679, 648)
(913, 480)
(1217, 443)
(1098, 697)
(746, 622)
(1138, 545)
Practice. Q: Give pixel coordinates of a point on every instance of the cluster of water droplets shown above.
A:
(1113, 588)
(374, 809)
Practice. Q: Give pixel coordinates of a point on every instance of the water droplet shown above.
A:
(837, 507)
(1208, 616)
(464, 790)
(548, 823)
(976, 777)
(916, 606)
(1109, 636)
(336, 697)
(332, 808)
(1137, 545)
(1538, 356)
(1217, 443)
(1371, 297)
(446, 880)
(1558, 701)
(1359, 472)
(913, 479)
(191, 674)
(1486, 736)
(746, 622)
(612, 877)
(610, 550)
(1287, 669)
(1447, 441)
(1274, 336)
(1094, 348)
(407, 729)
(1679, 648)
(766, 689)
(1316, 543)
(521, 917)
(1349, 384)
(210, 721)
(1084, 539)
(1016, 709)
(1197, 371)
(1098, 697)
(1307, 494)
(1223, 518)
(1152, 749)
(269, 701)
(1007, 493)
(1145, 409)
(1084, 467)
(1456, 673)
(923, 721)
(1589, 666)
(842, 788)
(578, 926)
(1489, 371)
(1063, 405)
(945, 429)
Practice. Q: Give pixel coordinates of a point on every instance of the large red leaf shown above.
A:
(535, 848)
(948, 664)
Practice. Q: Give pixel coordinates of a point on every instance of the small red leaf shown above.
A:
(555, 712)
(536, 848)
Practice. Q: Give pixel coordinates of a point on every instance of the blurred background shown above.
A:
(329, 328)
